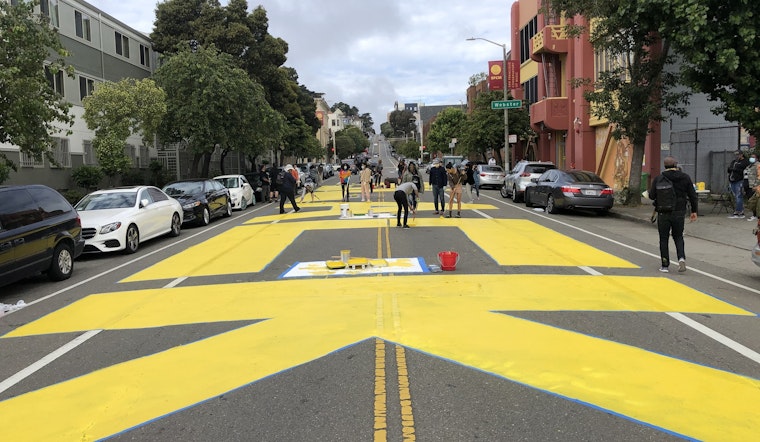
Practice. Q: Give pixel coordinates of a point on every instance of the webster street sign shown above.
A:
(506, 104)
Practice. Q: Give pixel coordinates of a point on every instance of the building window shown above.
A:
(60, 152)
(606, 61)
(526, 33)
(129, 151)
(89, 153)
(49, 8)
(530, 88)
(144, 56)
(86, 86)
(122, 44)
(28, 160)
(82, 25)
(54, 80)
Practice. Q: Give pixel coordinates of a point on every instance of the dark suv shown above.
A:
(39, 232)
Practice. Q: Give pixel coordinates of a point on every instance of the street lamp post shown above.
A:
(506, 111)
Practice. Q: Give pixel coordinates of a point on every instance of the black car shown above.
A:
(569, 189)
(202, 199)
(39, 232)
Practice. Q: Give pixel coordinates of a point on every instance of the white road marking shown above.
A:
(28, 371)
(723, 339)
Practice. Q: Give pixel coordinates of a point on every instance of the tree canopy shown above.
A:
(448, 124)
(29, 106)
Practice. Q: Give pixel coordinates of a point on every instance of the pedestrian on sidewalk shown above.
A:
(736, 181)
(669, 192)
(753, 182)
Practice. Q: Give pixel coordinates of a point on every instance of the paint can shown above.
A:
(345, 255)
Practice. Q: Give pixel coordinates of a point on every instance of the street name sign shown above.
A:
(506, 104)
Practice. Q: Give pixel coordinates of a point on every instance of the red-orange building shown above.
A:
(567, 134)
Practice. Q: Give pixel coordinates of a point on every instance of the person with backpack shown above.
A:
(669, 192)
(736, 181)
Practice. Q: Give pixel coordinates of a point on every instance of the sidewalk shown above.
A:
(710, 225)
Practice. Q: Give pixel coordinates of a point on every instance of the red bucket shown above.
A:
(448, 260)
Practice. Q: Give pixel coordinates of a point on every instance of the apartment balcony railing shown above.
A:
(550, 40)
(550, 114)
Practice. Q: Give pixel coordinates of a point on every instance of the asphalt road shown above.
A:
(550, 328)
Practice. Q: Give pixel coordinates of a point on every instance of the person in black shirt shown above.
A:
(672, 222)
(736, 181)
(288, 189)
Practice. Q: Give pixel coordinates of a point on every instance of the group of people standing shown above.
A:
(458, 179)
(743, 180)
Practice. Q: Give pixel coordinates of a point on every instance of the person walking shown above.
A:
(438, 182)
(492, 161)
(669, 192)
(274, 185)
(456, 179)
(470, 180)
(378, 173)
(736, 181)
(265, 184)
(476, 186)
(753, 170)
(344, 175)
(288, 188)
(403, 193)
(365, 180)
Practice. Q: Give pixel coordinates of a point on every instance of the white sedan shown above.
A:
(123, 217)
(240, 190)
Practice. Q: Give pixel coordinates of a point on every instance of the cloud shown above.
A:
(373, 53)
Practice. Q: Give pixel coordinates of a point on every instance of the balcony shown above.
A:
(552, 112)
(551, 40)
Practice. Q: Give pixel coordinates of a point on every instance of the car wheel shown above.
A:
(176, 225)
(514, 194)
(62, 264)
(550, 207)
(243, 204)
(132, 240)
(526, 199)
(503, 190)
(228, 212)
(205, 217)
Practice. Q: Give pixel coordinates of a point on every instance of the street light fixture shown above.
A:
(506, 112)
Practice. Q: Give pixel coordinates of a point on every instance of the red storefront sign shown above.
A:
(513, 74)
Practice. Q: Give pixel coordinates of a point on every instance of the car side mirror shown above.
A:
(144, 202)
(534, 180)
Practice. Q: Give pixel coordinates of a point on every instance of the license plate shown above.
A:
(590, 192)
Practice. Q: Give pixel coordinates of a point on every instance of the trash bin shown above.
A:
(644, 181)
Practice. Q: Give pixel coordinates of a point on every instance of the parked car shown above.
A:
(569, 189)
(490, 176)
(202, 199)
(522, 174)
(241, 191)
(124, 217)
(39, 232)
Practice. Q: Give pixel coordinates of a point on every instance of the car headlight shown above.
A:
(189, 206)
(108, 228)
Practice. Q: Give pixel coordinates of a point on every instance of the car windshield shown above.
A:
(538, 168)
(101, 201)
(580, 176)
(184, 188)
(229, 182)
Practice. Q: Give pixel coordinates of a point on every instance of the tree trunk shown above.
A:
(634, 180)
(196, 161)
(221, 161)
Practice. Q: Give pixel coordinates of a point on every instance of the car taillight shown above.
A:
(607, 191)
(570, 189)
(79, 221)
(525, 174)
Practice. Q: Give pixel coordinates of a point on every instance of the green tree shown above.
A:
(402, 121)
(211, 103)
(87, 177)
(117, 110)
(409, 149)
(449, 124)
(29, 105)
(484, 130)
(717, 41)
(344, 145)
(637, 90)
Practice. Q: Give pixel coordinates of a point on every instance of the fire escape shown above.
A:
(550, 113)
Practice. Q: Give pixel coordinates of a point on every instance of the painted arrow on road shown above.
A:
(303, 320)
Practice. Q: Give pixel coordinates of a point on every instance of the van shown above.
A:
(39, 232)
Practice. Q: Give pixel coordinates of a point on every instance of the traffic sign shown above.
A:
(506, 104)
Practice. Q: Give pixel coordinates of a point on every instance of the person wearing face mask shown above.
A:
(751, 174)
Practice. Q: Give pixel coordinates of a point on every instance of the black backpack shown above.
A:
(665, 195)
(281, 177)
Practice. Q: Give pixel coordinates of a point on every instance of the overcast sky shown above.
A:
(373, 53)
